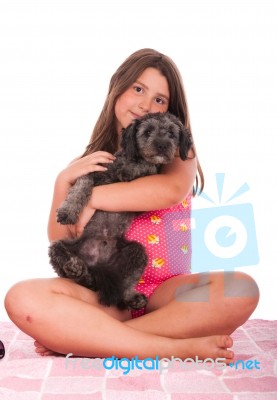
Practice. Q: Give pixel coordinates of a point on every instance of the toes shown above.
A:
(39, 350)
(228, 354)
(224, 341)
(42, 351)
(47, 353)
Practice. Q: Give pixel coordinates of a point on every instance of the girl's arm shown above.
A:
(153, 192)
(64, 181)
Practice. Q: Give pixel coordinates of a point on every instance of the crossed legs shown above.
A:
(198, 305)
(187, 316)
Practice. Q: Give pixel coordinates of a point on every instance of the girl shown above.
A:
(187, 315)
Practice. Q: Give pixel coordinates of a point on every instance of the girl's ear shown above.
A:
(185, 142)
(129, 141)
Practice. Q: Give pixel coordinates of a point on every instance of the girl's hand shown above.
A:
(85, 216)
(79, 168)
(85, 165)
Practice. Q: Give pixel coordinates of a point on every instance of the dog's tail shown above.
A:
(108, 283)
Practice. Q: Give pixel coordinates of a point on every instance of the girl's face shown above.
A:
(149, 94)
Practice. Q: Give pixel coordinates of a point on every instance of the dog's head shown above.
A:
(156, 138)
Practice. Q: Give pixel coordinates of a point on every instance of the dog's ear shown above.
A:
(185, 142)
(129, 141)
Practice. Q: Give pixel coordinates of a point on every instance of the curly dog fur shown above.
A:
(102, 259)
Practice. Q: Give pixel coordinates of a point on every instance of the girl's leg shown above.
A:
(199, 305)
(66, 318)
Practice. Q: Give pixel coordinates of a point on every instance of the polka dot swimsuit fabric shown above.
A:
(166, 236)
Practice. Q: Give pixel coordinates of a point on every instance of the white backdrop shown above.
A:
(56, 61)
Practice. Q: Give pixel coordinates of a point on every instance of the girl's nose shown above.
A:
(145, 105)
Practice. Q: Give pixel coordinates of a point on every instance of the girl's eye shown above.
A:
(138, 89)
(159, 100)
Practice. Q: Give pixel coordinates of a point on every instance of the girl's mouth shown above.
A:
(136, 116)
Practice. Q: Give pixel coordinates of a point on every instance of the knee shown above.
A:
(241, 286)
(15, 299)
(25, 297)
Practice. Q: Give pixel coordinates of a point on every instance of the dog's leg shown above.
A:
(78, 196)
(114, 280)
(133, 260)
(106, 281)
(65, 263)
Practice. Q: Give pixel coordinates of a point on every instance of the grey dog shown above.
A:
(102, 259)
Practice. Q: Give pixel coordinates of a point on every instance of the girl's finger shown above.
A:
(100, 157)
(83, 220)
(96, 167)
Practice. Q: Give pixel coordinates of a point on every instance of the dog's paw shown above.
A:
(65, 218)
(138, 301)
(58, 256)
(74, 267)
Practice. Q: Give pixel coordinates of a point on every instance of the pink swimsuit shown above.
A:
(166, 236)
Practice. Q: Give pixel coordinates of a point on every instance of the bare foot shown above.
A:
(43, 351)
(208, 347)
(204, 347)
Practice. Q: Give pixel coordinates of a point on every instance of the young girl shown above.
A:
(187, 315)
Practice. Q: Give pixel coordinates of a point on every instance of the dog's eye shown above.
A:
(147, 133)
(171, 135)
(148, 130)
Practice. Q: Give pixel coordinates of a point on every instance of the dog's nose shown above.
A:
(161, 146)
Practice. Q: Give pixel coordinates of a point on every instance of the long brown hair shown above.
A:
(104, 136)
